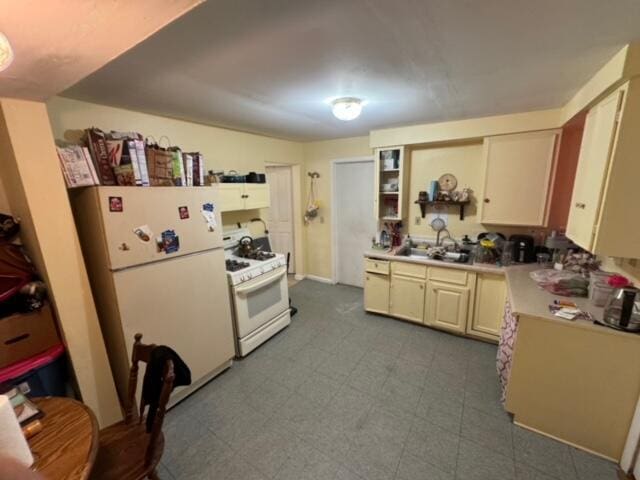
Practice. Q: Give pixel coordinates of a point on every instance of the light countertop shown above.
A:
(472, 267)
(530, 300)
(525, 296)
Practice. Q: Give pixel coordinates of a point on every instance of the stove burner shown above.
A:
(235, 265)
(259, 255)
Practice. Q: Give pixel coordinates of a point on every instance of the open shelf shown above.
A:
(391, 219)
(389, 193)
(391, 170)
(452, 203)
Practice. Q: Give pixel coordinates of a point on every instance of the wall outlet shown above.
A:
(417, 222)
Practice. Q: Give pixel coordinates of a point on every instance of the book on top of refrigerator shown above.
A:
(76, 165)
(97, 144)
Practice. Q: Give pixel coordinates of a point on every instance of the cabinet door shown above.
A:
(407, 299)
(447, 306)
(231, 196)
(518, 176)
(489, 305)
(256, 195)
(595, 151)
(376, 293)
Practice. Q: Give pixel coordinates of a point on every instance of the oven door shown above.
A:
(260, 300)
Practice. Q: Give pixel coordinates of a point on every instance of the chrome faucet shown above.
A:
(448, 237)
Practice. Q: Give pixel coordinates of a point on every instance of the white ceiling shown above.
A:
(56, 44)
(268, 66)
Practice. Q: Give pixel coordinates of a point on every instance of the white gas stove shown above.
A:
(259, 292)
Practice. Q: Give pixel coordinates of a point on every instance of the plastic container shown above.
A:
(599, 293)
(506, 258)
(599, 289)
(45, 373)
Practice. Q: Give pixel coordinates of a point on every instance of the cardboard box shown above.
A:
(27, 334)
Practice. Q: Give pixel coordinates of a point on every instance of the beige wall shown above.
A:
(223, 149)
(226, 150)
(465, 161)
(628, 267)
(317, 158)
(36, 193)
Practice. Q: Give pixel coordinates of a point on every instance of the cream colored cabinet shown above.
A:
(243, 196)
(406, 299)
(490, 298)
(256, 195)
(447, 306)
(519, 171)
(606, 185)
(231, 196)
(376, 292)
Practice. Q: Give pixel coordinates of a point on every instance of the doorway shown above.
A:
(353, 221)
(281, 225)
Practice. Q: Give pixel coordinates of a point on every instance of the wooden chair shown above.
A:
(126, 450)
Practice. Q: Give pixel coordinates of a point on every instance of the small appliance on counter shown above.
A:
(622, 310)
(523, 248)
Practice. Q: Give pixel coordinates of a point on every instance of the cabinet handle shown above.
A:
(487, 200)
(367, 278)
(580, 205)
(421, 287)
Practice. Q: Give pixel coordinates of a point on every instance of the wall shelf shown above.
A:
(448, 203)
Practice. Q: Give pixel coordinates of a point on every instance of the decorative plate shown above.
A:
(448, 182)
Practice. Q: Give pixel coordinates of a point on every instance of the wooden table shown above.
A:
(67, 445)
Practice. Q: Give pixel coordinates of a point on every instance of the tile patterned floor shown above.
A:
(344, 395)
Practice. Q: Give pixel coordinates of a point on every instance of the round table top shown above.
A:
(67, 445)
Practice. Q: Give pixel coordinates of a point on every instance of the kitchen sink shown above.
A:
(421, 253)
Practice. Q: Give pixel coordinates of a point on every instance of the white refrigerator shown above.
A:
(156, 266)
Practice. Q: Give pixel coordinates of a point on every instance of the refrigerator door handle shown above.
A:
(244, 291)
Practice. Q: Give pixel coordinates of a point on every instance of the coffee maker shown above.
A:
(622, 310)
(523, 248)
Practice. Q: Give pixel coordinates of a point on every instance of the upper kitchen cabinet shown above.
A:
(391, 184)
(243, 196)
(519, 171)
(606, 187)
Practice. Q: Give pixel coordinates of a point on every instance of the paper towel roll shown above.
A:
(12, 441)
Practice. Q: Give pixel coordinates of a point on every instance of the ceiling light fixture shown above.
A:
(346, 108)
(6, 52)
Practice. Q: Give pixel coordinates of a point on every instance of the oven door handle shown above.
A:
(244, 291)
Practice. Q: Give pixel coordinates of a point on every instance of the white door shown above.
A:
(354, 225)
(281, 212)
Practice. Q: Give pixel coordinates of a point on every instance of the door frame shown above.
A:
(334, 217)
(296, 194)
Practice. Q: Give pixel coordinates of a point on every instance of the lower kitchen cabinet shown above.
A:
(376, 292)
(490, 298)
(407, 298)
(457, 300)
(447, 306)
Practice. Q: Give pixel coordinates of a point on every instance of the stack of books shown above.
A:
(124, 158)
